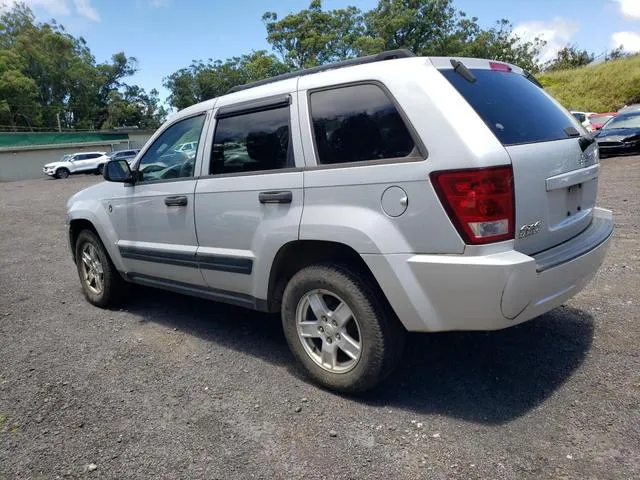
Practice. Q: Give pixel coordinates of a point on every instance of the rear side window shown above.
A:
(252, 142)
(516, 110)
(358, 123)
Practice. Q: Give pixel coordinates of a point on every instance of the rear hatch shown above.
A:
(555, 165)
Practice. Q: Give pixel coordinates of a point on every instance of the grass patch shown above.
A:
(596, 88)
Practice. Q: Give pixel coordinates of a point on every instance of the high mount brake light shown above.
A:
(480, 202)
(501, 67)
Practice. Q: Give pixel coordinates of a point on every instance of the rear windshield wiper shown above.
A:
(572, 132)
(461, 69)
(532, 79)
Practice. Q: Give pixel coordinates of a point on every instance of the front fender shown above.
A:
(94, 212)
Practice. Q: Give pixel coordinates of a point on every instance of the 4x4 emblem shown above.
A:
(528, 230)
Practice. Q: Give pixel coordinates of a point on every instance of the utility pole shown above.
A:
(58, 118)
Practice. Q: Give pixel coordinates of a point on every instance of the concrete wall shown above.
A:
(138, 139)
(26, 163)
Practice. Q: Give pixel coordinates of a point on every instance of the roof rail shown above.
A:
(388, 55)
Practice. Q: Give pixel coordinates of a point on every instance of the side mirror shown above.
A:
(118, 171)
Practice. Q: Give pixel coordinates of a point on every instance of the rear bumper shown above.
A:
(493, 291)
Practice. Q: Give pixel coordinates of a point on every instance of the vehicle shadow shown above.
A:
(485, 377)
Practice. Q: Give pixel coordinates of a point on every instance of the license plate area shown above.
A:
(574, 199)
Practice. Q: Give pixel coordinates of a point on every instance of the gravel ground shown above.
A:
(173, 387)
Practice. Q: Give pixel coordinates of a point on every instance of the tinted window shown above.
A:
(516, 110)
(252, 142)
(79, 157)
(358, 123)
(93, 155)
(163, 161)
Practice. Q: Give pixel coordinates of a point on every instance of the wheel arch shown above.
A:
(298, 254)
(75, 227)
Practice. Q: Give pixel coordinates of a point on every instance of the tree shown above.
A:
(46, 73)
(426, 27)
(615, 53)
(313, 36)
(202, 81)
(17, 92)
(569, 57)
(134, 107)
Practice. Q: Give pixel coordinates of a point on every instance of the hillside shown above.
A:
(596, 88)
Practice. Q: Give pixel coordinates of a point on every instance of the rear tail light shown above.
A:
(501, 67)
(480, 202)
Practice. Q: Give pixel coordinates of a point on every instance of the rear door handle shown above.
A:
(276, 197)
(176, 201)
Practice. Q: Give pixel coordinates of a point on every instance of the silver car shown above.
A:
(362, 200)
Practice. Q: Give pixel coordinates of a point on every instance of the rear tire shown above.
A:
(102, 285)
(352, 355)
(62, 173)
(99, 170)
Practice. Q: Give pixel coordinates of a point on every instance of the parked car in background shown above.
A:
(82, 162)
(582, 117)
(634, 107)
(597, 120)
(128, 155)
(620, 135)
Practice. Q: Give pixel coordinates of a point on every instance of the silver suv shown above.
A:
(361, 200)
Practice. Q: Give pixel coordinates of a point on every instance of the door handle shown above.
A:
(176, 201)
(276, 197)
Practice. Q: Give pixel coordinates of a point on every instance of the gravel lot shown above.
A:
(174, 387)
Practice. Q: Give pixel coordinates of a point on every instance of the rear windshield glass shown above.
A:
(516, 110)
(631, 120)
(600, 118)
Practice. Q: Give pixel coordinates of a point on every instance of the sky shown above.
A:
(166, 35)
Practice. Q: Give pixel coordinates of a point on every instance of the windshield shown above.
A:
(600, 118)
(624, 121)
(111, 154)
(515, 109)
(66, 157)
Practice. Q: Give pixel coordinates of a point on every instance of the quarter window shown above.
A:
(358, 123)
(251, 142)
(164, 160)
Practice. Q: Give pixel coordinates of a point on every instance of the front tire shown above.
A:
(345, 337)
(102, 285)
(62, 173)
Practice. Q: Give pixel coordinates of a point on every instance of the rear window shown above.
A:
(516, 110)
(600, 118)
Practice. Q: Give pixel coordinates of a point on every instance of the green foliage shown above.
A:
(426, 27)
(314, 37)
(46, 73)
(571, 57)
(202, 81)
(603, 87)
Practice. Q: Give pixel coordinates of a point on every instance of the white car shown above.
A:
(583, 118)
(362, 200)
(83, 162)
(128, 155)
